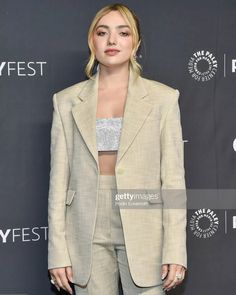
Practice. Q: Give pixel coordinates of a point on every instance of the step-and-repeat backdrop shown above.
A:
(189, 45)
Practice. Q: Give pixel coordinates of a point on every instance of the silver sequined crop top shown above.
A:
(108, 131)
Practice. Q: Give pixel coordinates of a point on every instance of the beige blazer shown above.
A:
(150, 156)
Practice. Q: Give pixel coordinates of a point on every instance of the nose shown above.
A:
(111, 39)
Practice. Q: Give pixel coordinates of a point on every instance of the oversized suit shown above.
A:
(150, 156)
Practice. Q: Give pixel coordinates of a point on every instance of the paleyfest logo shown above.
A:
(23, 234)
(22, 68)
(202, 66)
(204, 223)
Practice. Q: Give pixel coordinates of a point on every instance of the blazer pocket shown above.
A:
(70, 196)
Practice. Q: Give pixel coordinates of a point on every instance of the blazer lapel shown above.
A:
(136, 110)
(84, 113)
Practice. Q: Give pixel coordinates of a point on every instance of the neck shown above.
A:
(110, 78)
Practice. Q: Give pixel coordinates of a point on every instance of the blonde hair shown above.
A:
(132, 20)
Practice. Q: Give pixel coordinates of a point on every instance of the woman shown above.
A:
(111, 134)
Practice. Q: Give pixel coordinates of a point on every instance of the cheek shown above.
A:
(96, 42)
(128, 45)
(128, 49)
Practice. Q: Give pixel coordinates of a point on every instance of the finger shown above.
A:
(52, 275)
(177, 281)
(164, 271)
(57, 281)
(53, 279)
(58, 274)
(179, 275)
(170, 277)
(69, 273)
(57, 287)
(64, 282)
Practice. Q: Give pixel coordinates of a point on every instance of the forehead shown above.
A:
(113, 19)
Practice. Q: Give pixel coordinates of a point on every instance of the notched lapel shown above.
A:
(84, 113)
(137, 108)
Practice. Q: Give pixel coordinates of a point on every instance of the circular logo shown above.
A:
(202, 66)
(204, 223)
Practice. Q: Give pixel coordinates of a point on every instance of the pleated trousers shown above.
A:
(109, 260)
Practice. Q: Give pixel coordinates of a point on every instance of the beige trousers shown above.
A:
(109, 262)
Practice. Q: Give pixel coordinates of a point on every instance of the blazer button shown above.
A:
(120, 171)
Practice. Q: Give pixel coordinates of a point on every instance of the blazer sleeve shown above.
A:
(173, 187)
(58, 255)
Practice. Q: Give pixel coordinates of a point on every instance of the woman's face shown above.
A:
(112, 32)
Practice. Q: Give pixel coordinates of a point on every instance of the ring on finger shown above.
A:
(52, 281)
(178, 277)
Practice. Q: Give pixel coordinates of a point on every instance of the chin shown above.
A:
(115, 63)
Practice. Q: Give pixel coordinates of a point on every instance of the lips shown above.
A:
(111, 50)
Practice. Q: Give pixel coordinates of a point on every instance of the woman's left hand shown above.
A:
(173, 274)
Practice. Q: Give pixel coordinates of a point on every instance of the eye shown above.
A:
(125, 34)
(101, 33)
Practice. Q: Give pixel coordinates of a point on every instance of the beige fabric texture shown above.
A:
(150, 156)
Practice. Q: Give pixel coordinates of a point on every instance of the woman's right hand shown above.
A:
(61, 277)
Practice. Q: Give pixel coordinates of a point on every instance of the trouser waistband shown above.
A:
(107, 181)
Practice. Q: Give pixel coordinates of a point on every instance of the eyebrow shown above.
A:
(119, 27)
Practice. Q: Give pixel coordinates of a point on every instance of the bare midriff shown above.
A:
(107, 162)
